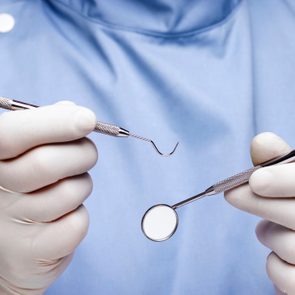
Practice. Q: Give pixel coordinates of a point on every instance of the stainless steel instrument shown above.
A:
(160, 222)
(104, 128)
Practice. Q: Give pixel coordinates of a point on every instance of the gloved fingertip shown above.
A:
(260, 181)
(78, 223)
(261, 229)
(85, 120)
(229, 195)
(267, 145)
(276, 270)
(236, 196)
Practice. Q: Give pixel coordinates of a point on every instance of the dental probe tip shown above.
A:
(155, 146)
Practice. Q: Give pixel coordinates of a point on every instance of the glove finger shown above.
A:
(52, 202)
(279, 211)
(277, 238)
(281, 274)
(60, 238)
(266, 146)
(25, 129)
(47, 164)
(274, 181)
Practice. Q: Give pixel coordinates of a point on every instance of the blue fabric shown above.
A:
(210, 74)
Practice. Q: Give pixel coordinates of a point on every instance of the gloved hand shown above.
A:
(270, 194)
(44, 159)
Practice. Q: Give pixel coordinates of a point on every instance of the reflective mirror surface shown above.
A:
(159, 223)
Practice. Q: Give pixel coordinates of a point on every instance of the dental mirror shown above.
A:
(160, 222)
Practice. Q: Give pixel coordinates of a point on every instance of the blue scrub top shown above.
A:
(210, 74)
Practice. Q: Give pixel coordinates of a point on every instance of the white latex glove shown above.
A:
(44, 159)
(270, 194)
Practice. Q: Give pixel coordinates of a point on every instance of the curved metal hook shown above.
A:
(164, 155)
(154, 145)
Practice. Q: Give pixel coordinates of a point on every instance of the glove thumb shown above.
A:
(266, 146)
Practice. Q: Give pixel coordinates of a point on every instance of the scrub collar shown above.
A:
(158, 16)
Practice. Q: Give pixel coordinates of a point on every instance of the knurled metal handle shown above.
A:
(234, 180)
(5, 103)
(108, 129)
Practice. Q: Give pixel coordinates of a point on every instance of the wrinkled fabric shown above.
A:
(156, 16)
(211, 82)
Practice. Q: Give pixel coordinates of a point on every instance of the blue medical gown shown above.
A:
(210, 74)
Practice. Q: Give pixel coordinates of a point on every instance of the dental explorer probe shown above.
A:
(160, 221)
(104, 128)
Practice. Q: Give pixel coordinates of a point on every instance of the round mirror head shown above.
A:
(159, 222)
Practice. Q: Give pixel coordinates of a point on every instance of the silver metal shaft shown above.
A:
(235, 180)
(192, 199)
